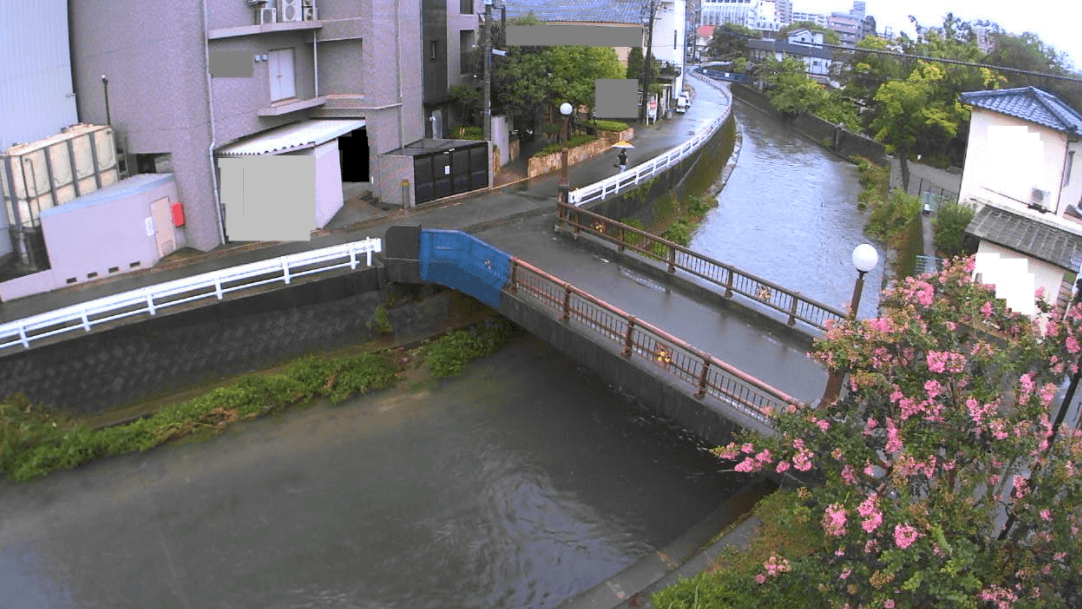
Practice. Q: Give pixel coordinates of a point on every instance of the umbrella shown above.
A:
(622, 144)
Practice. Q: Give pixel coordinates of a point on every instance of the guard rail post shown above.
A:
(672, 259)
(513, 287)
(792, 310)
(728, 282)
(628, 342)
(567, 302)
(702, 379)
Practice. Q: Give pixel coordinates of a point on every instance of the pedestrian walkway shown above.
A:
(468, 212)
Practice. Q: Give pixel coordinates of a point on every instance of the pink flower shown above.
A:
(747, 465)
(888, 604)
(748, 448)
(764, 456)
(848, 474)
(905, 535)
(869, 426)
(834, 520)
(802, 460)
(760, 578)
(932, 387)
(841, 552)
(823, 425)
(1040, 292)
(986, 309)
(1072, 345)
(894, 442)
(1046, 514)
(782, 466)
(845, 574)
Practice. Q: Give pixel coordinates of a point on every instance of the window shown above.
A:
(280, 69)
(465, 7)
(1067, 171)
(433, 49)
(465, 49)
(674, 40)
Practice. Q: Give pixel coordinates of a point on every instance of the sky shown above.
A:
(1055, 21)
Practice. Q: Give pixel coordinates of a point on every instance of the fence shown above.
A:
(928, 264)
(163, 295)
(791, 303)
(931, 195)
(635, 176)
(704, 372)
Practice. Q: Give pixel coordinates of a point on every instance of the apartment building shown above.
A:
(337, 79)
(450, 32)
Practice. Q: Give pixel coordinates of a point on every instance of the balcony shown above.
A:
(291, 105)
(274, 16)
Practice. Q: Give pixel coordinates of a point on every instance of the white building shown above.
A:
(670, 39)
(815, 18)
(748, 13)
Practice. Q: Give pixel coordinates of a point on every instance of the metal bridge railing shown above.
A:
(639, 174)
(789, 302)
(151, 299)
(702, 372)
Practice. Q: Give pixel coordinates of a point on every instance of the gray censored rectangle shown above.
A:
(269, 198)
(232, 64)
(573, 35)
(616, 98)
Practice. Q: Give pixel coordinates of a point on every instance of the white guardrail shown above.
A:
(151, 299)
(599, 191)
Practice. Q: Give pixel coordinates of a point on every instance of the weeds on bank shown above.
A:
(729, 583)
(35, 441)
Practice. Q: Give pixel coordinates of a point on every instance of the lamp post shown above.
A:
(864, 259)
(565, 186)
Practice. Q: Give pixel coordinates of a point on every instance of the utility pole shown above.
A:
(487, 118)
(648, 59)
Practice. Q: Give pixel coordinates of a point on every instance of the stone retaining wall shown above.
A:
(837, 139)
(540, 165)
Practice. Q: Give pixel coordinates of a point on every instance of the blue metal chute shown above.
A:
(461, 261)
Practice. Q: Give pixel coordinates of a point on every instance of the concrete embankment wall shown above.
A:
(691, 176)
(172, 352)
(840, 141)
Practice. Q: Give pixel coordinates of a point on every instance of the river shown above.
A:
(788, 214)
(520, 484)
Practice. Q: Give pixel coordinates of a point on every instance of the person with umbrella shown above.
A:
(622, 158)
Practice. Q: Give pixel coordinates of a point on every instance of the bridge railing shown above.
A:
(152, 299)
(789, 302)
(639, 174)
(701, 371)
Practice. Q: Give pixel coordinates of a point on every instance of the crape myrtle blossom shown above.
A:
(951, 395)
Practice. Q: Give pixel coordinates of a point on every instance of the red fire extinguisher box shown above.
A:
(178, 214)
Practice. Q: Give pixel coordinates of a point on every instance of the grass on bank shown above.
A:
(35, 441)
(729, 583)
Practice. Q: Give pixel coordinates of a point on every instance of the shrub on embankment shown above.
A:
(35, 441)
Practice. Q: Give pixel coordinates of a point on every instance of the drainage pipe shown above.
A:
(213, 137)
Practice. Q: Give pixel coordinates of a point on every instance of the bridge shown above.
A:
(714, 347)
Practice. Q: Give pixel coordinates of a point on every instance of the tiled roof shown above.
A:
(1028, 236)
(706, 31)
(578, 11)
(784, 46)
(1030, 104)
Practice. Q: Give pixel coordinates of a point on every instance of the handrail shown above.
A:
(706, 373)
(163, 295)
(790, 302)
(631, 178)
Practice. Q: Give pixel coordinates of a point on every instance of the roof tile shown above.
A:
(1030, 104)
(1025, 235)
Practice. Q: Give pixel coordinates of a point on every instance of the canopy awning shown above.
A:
(296, 136)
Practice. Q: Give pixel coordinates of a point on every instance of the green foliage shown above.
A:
(601, 125)
(449, 355)
(635, 61)
(468, 133)
(875, 180)
(680, 232)
(34, 442)
(576, 140)
(468, 100)
(379, 323)
(912, 245)
(950, 223)
(697, 206)
(890, 216)
(792, 92)
(730, 41)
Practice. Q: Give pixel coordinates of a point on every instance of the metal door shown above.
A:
(164, 233)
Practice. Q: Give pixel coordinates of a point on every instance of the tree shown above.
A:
(1028, 52)
(911, 117)
(865, 72)
(790, 90)
(574, 70)
(829, 35)
(730, 40)
(468, 100)
(945, 430)
(634, 65)
(520, 84)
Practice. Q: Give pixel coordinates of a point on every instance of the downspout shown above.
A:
(398, 70)
(1063, 171)
(315, 61)
(213, 137)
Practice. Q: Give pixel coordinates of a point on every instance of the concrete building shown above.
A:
(801, 44)
(1023, 174)
(748, 13)
(816, 18)
(847, 27)
(329, 78)
(450, 31)
(784, 12)
(859, 9)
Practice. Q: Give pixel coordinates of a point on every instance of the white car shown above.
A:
(683, 103)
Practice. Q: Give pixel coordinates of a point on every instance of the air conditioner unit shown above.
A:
(267, 15)
(308, 3)
(310, 13)
(290, 10)
(1039, 199)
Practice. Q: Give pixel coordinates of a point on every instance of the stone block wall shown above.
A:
(540, 165)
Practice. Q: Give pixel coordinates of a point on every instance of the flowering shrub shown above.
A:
(944, 437)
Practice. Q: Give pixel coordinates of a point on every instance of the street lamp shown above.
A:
(864, 259)
(565, 187)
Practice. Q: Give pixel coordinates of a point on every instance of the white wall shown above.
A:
(1045, 275)
(1007, 158)
(328, 182)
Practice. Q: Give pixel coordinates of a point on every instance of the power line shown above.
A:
(955, 62)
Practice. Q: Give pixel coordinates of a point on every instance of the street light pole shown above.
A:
(565, 185)
(487, 118)
(864, 259)
(648, 59)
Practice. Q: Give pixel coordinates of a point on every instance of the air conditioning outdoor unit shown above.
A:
(267, 15)
(290, 10)
(310, 13)
(308, 3)
(1039, 199)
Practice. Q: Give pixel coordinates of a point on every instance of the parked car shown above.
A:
(682, 103)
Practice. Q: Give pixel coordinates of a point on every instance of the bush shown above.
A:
(576, 140)
(449, 355)
(379, 323)
(609, 125)
(680, 232)
(949, 226)
(889, 217)
(469, 133)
